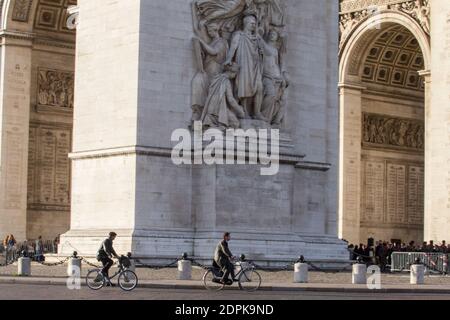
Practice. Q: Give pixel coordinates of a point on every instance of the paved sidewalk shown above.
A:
(284, 277)
(266, 286)
(272, 281)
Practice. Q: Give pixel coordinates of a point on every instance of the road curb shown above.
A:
(62, 282)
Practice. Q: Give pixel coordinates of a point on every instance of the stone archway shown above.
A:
(38, 60)
(383, 99)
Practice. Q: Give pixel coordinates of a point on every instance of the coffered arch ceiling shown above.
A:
(42, 18)
(51, 16)
(394, 59)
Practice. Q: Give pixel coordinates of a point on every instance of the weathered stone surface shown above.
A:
(160, 209)
(134, 88)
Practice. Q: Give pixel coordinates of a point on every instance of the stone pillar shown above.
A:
(15, 66)
(301, 273)
(359, 274)
(126, 110)
(418, 274)
(350, 162)
(105, 120)
(128, 183)
(74, 267)
(437, 156)
(24, 267)
(184, 270)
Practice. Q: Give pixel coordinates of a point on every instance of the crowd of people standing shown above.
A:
(30, 248)
(380, 253)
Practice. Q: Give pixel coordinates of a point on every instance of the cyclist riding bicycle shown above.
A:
(105, 253)
(223, 259)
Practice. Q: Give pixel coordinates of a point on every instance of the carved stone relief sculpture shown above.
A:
(393, 132)
(239, 47)
(21, 11)
(55, 88)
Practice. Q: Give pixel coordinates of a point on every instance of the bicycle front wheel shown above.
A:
(128, 280)
(250, 280)
(95, 279)
(211, 282)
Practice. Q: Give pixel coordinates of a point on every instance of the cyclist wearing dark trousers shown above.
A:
(106, 252)
(223, 258)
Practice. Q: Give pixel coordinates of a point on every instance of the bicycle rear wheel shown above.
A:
(95, 279)
(128, 280)
(250, 280)
(211, 282)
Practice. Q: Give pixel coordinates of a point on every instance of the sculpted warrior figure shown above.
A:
(270, 14)
(275, 80)
(255, 76)
(247, 51)
(221, 9)
(210, 56)
(221, 109)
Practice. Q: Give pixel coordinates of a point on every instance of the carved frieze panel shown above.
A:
(13, 168)
(49, 167)
(393, 193)
(55, 88)
(381, 131)
(21, 10)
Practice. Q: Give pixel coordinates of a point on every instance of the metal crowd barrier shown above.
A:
(402, 261)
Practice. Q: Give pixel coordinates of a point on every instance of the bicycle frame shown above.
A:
(119, 271)
(243, 275)
(241, 271)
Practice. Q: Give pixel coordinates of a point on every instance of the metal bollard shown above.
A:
(74, 266)
(184, 270)
(301, 272)
(418, 273)
(359, 274)
(24, 267)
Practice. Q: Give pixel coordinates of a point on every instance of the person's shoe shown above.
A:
(235, 280)
(99, 278)
(228, 282)
(110, 284)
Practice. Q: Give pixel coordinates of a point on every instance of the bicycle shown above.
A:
(248, 278)
(127, 279)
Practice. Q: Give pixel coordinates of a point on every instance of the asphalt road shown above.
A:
(41, 292)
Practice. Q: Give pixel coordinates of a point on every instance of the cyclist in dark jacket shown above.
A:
(223, 258)
(106, 252)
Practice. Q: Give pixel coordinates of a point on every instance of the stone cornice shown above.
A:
(121, 151)
(351, 86)
(425, 73)
(294, 159)
(54, 43)
(313, 166)
(348, 6)
(20, 35)
(38, 40)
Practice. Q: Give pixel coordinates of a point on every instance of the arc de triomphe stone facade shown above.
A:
(394, 89)
(134, 68)
(110, 95)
